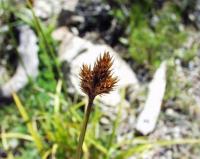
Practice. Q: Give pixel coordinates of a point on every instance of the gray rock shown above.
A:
(48, 8)
(77, 51)
(148, 118)
(28, 65)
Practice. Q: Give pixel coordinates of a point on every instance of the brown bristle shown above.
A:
(98, 80)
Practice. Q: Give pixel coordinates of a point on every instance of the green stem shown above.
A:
(84, 127)
(49, 47)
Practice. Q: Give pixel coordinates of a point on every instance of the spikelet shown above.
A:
(98, 80)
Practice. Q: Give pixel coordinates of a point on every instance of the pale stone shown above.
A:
(48, 8)
(28, 65)
(77, 51)
(148, 117)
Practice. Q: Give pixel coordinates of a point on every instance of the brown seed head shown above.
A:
(98, 80)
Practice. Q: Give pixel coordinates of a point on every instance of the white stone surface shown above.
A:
(77, 51)
(28, 63)
(48, 8)
(148, 117)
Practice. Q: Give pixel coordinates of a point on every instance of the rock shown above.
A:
(148, 117)
(48, 8)
(28, 65)
(196, 14)
(77, 51)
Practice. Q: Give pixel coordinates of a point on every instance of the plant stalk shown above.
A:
(84, 127)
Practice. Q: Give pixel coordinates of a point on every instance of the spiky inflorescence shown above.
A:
(98, 80)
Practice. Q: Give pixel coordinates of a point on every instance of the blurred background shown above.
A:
(154, 111)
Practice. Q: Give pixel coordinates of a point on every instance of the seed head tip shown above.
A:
(99, 79)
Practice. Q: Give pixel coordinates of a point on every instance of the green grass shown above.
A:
(43, 119)
(152, 39)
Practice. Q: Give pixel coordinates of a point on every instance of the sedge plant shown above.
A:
(95, 81)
